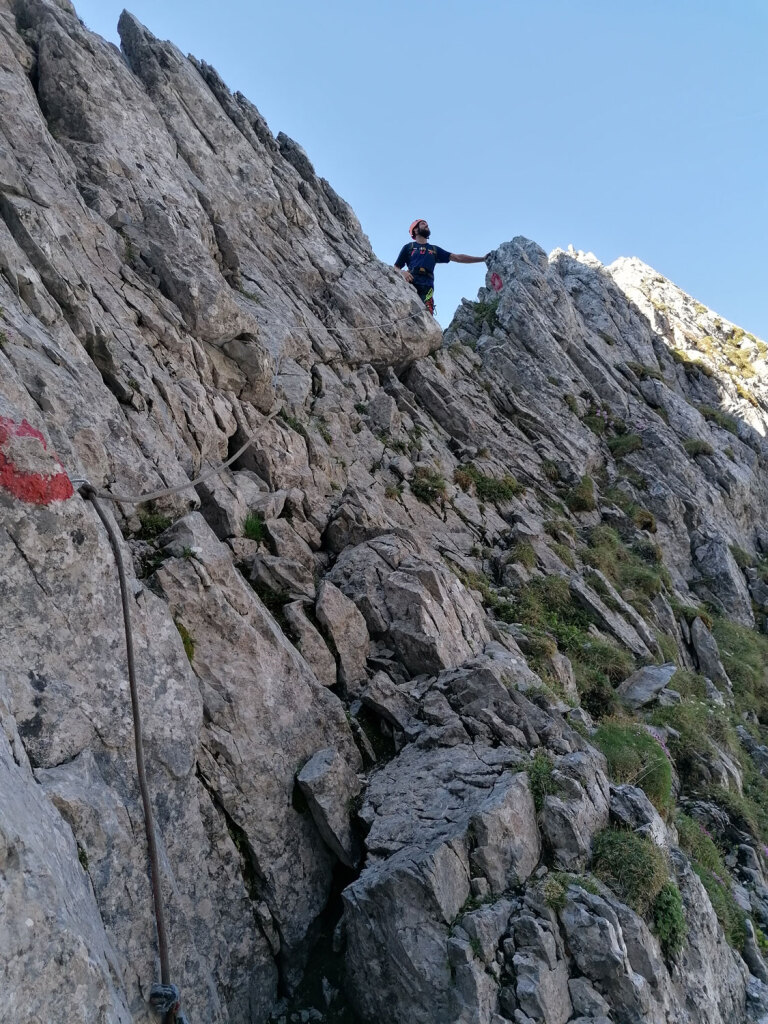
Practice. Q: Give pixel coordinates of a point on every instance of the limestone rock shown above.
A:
(310, 643)
(708, 655)
(41, 871)
(570, 818)
(408, 596)
(611, 621)
(507, 847)
(170, 274)
(632, 809)
(384, 698)
(330, 787)
(346, 627)
(417, 879)
(248, 754)
(722, 576)
(643, 686)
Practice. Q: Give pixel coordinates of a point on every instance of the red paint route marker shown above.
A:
(27, 469)
(496, 282)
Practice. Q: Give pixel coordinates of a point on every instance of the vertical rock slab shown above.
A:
(55, 950)
(265, 715)
(346, 628)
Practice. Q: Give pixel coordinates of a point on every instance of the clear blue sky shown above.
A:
(624, 127)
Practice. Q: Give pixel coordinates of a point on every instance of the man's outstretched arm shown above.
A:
(459, 257)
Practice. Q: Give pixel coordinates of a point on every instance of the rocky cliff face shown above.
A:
(453, 683)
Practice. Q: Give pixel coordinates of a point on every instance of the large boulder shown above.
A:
(437, 818)
(644, 685)
(721, 577)
(408, 597)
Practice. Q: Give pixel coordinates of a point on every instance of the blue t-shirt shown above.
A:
(420, 258)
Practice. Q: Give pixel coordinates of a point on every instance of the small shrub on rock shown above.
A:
(597, 695)
(152, 523)
(690, 744)
(253, 528)
(642, 518)
(631, 865)
(186, 639)
(669, 920)
(581, 498)
(694, 447)
(427, 485)
(572, 403)
(637, 569)
(643, 372)
(555, 893)
(540, 774)
(485, 313)
(492, 489)
(722, 419)
(522, 552)
(488, 488)
(742, 558)
(625, 444)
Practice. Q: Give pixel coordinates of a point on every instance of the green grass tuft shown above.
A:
(427, 485)
(624, 444)
(635, 757)
(253, 528)
(722, 419)
(487, 488)
(631, 865)
(522, 552)
(581, 497)
(694, 447)
(669, 919)
(186, 639)
(152, 523)
(540, 773)
(643, 372)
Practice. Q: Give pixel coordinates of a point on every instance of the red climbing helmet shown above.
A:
(414, 226)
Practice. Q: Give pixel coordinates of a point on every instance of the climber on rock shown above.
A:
(417, 261)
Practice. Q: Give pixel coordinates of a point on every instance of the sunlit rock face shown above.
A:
(384, 658)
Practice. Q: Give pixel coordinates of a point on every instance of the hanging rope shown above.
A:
(161, 995)
(344, 327)
(138, 499)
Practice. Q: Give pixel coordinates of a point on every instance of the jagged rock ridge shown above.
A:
(382, 658)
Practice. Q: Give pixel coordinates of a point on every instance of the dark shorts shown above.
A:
(426, 293)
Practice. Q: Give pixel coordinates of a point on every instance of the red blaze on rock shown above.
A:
(27, 469)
